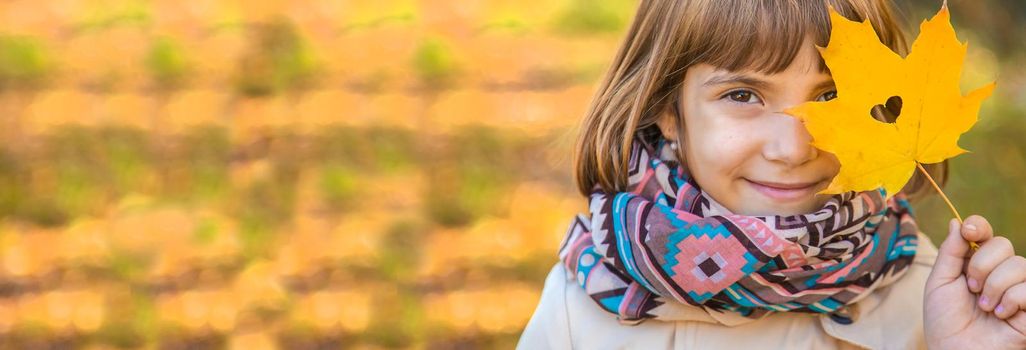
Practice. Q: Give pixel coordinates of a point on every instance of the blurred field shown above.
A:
(322, 174)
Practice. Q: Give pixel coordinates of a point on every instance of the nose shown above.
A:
(789, 142)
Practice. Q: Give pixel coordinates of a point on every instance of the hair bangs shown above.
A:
(763, 36)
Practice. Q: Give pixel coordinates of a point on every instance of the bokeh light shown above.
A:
(336, 174)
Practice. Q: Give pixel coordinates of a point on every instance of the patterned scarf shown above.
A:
(665, 249)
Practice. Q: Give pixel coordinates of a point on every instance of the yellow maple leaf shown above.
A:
(933, 112)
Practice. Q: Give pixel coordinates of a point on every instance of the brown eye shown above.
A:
(829, 95)
(742, 96)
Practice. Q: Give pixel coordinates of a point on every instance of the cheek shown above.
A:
(718, 154)
(720, 146)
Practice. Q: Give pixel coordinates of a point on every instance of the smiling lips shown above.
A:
(785, 191)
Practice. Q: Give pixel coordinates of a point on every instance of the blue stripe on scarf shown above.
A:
(739, 295)
(829, 305)
(909, 248)
(623, 239)
(612, 303)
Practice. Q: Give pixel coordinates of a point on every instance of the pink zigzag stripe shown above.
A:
(836, 275)
(824, 291)
(682, 192)
(574, 250)
(632, 290)
(644, 181)
(651, 267)
(761, 235)
(686, 216)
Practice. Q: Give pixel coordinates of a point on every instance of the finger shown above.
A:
(1008, 273)
(982, 263)
(951, 257)
(1013, 301)
(977, 229)
(1018, 322)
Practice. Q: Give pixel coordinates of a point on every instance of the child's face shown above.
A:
(743, 150)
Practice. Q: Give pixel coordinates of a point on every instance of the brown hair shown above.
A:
(668, 36)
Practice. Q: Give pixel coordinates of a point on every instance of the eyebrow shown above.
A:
(823, 85)
(759, 83)
(736, 78)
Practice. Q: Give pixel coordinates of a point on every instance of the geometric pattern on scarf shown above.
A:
(665, 246)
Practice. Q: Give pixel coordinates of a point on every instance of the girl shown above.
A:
(705, 226)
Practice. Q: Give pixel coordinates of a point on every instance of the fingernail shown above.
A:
(983, 301)
(970, 227)
(973, 285)
(999, 309)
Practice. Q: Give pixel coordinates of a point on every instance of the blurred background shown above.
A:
(315, 174)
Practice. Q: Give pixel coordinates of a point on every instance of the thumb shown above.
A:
(951, 257)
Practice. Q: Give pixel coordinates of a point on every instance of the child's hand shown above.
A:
(956, 314)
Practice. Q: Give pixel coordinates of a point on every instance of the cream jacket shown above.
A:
(890, 318)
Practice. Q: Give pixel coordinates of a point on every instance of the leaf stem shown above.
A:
(972, 245)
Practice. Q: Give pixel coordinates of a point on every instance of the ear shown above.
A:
(667, 124)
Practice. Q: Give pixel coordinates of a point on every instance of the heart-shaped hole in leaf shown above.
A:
(889, 111)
